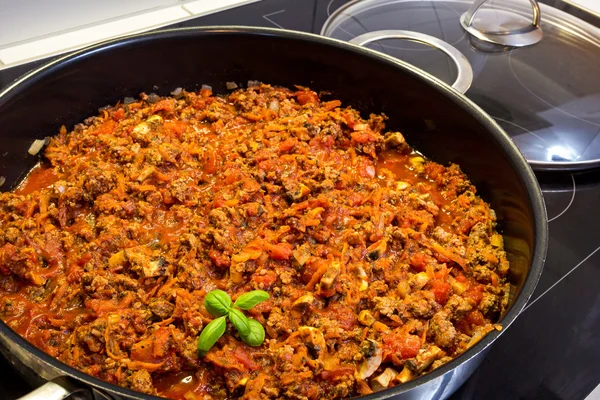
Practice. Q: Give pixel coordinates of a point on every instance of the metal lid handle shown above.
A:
(465, 72)
(524, 36)
(470, 14)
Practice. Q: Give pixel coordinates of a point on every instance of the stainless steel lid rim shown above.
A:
(551, 15)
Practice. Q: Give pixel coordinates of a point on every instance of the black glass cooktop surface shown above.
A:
(551, 351)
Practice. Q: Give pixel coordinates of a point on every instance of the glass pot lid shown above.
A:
(546, 96)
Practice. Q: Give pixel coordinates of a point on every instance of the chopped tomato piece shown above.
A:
(337, 373)
(307, 96)
(287, 144)
(401, 344)
(475, 318)
(265, 281)
(211, 162)
(330, 105)
(279, 251)
(344, 315)
(119, 114)
(219, 259)
(175, 128)
(243, 357)
(475, 293)
(365, 136)
(167, 105)
(106, 128)
(418, 261)
(441, 290)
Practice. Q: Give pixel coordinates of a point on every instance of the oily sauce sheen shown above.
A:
(40, 177)
(380, 264)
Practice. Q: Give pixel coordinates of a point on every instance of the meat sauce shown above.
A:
(381, 265)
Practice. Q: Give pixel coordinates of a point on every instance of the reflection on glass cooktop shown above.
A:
(551, 350)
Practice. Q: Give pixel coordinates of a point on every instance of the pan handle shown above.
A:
(465, 72)
(59, 389)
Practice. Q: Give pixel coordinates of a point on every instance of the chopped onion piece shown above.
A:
(2, 180)
(370, 171)
(153, 98)
(177, 93)
(274, 105)
(128, 100)
(254, 83)
(231, 85)
(206, 87)
(36, 146)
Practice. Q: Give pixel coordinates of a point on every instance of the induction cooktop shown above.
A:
(551, 351)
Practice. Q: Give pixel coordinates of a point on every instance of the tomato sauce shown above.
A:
(40, 177)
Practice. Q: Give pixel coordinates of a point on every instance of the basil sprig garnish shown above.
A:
(250, 299)
(218, 303)
(210, 334)
(256, 335)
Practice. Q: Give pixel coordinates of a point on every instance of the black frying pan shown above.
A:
(436, 119)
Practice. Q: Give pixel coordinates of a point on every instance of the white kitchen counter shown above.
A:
(34, 29)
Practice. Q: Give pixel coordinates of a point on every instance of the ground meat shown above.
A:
(442, 330)
(387, 306)
(373, 256)
(141, 381)
(458, 306)
(421, 304)
(489, 303)
(161, 308)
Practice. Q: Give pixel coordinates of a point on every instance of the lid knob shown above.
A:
(518, 37)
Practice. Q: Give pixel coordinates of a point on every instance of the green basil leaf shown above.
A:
(210, 334)
(256, 335)
(250, 299)
(239, 321)
(217, 302)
